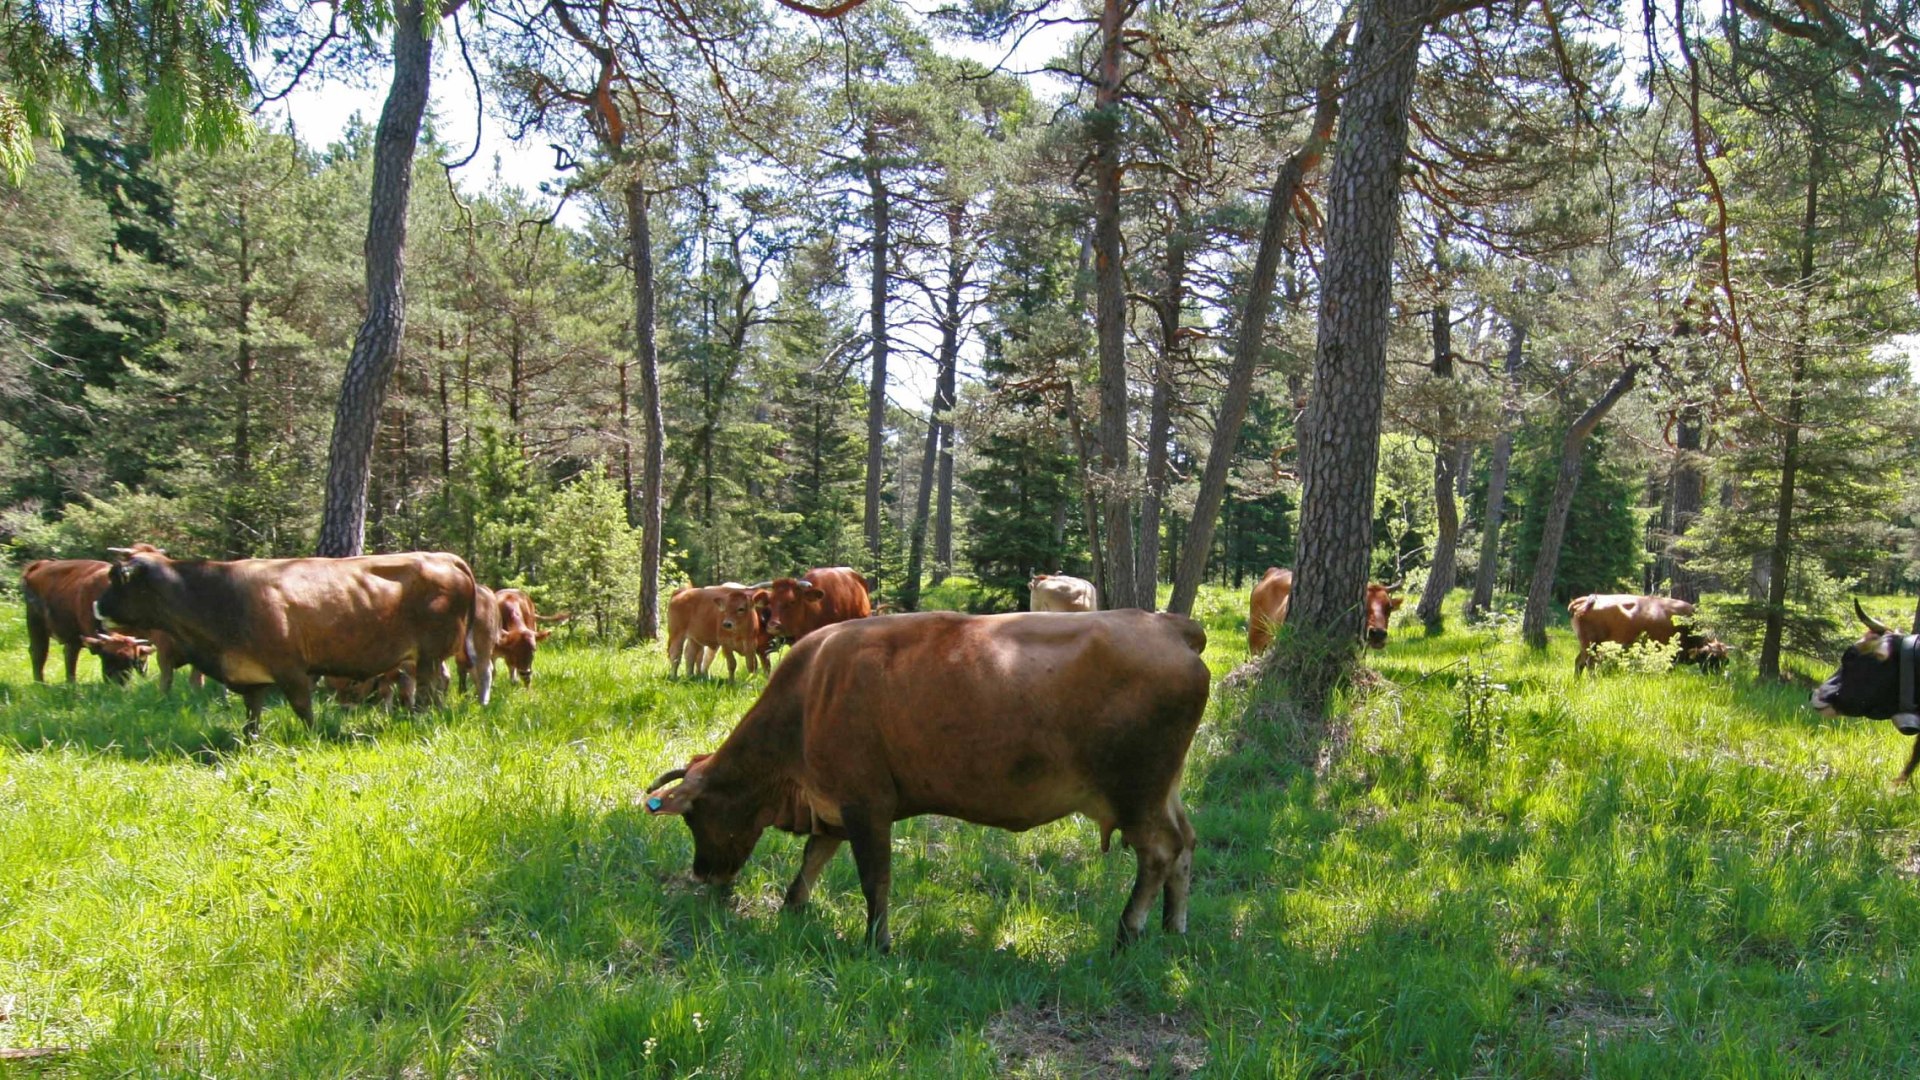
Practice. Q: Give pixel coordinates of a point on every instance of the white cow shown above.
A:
(1059, 592)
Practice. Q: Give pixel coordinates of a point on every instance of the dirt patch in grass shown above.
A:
(1046, 1042)
(1594, 1023)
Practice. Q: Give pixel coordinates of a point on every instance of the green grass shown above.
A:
(1649, 875)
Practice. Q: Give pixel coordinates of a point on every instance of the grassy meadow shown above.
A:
(1502, 873)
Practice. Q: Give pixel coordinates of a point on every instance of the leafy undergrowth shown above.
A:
(1507, 873)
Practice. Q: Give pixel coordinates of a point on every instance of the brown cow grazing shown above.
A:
(1267, 611)
(796, 607)
(520, 634)
(59, 597)
(1381, 604)
(254, 624)
(1273, 597)
(1625, 619)
(1011, 721)
(1062, 592)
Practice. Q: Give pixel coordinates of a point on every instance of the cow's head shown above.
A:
(790, 606)
(1380, 608)
(138, 588)
(740, 610)
(1868, 682)
(517, 647)
(120, 654)
(726, 821)
(1704, 650)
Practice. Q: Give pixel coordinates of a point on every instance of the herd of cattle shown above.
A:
(1010, 721)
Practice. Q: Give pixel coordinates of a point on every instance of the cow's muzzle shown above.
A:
(1376, 639)
(1822, 700)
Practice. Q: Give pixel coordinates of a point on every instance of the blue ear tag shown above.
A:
(654, 803)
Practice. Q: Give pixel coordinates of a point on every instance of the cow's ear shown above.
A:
(92, 641)
(814, 594)
(720, 601)
(762, 598)
(1394, 603)
(542, 635)
(144, 650)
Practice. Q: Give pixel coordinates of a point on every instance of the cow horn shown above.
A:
(760, 584)
(666, 778)
(1873, 624)
(122, 552)
(141, 641)
(803, 583)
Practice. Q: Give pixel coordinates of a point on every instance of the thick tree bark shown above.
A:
(1533, 625)
(1340, 437)
(877, 316)
(653, 434)
(1110, 314)
(1160, 413)
(943, 496)
(244, 364)
(1489, 568)
(1251, 340)
(376, 349)
(1446, 458)
(1083, 447)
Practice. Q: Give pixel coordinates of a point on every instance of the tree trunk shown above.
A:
(1533, 625)
(1446, 456)
(1253, 328)
(1082, 446)
(376, 349)
(1689, 495)
(1110, 314)
(1340, 437)
(1160, 414)
(1779, 556)
(947, 362)
(943, 505)
(244, 364)
(877, 315)
(653, 435)
(1484, 574)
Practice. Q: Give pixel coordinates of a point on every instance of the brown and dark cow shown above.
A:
(1273, 597)
(796, 607)
(254, 624)
(59, 597)
(1624, 619)
(1010, 721)
(1878, 678)
(520, 634)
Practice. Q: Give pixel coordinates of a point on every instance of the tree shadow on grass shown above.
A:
(140, 723)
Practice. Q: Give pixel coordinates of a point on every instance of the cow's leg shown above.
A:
(676, 644)
(38, 641)
(1173, 916)
(166, 665)
(871, 834)
(255, 697)
(730, 665)
(483, 682)
(72, 651)
(1157, 844)
(819, 852)
(298, 689)
(1913, 760)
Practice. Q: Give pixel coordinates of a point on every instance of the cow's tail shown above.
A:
(467, 646)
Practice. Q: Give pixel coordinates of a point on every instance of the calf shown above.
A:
(1062, 592)
(1010, 721)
